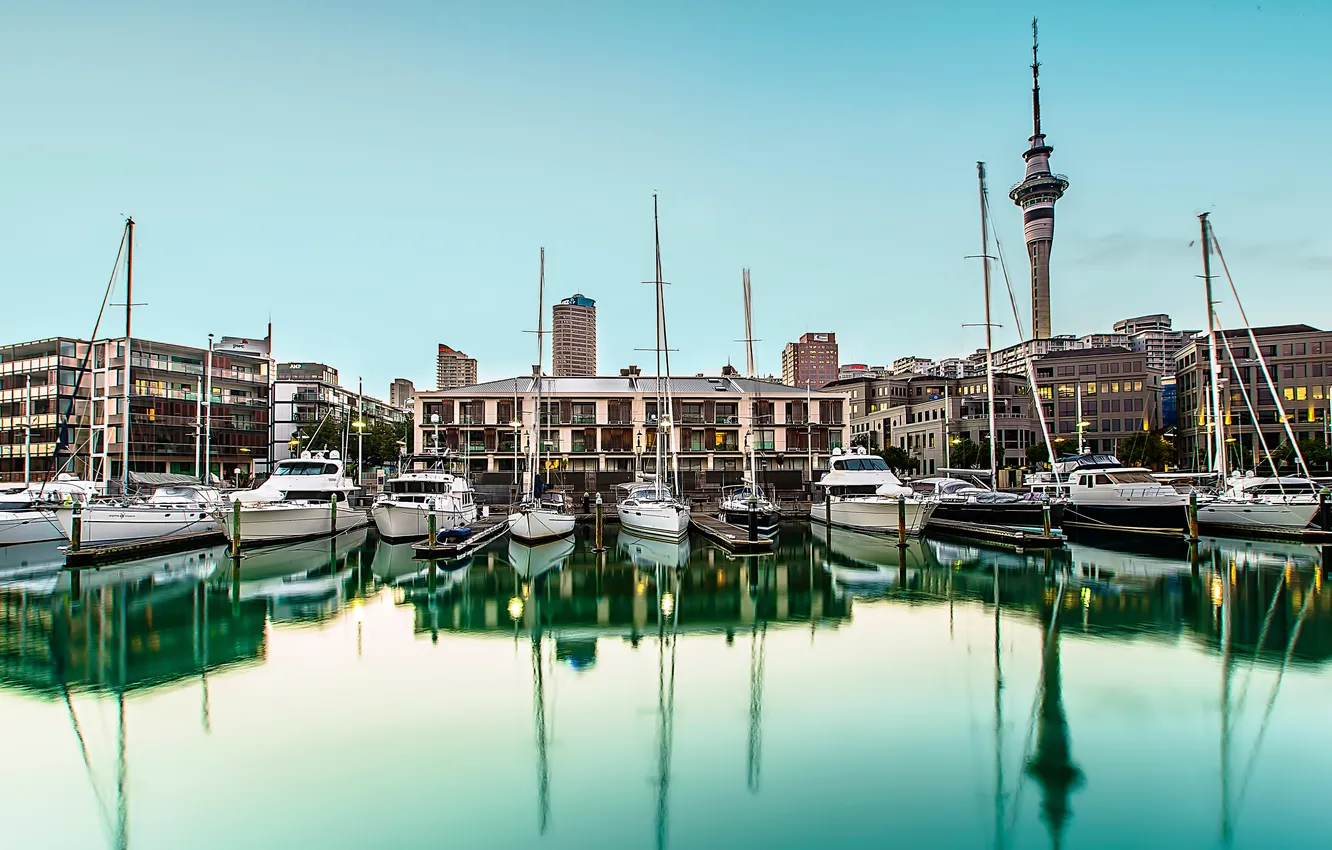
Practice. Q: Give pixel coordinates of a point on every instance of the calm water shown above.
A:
(828, 696)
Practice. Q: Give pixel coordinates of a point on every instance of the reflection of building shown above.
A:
(811, 362)
(573, 340)
(308, 394)
(453, 368)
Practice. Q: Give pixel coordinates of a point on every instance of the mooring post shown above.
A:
(76, 533)
(753, 521)
(600, 520)
(1323, 519)
(235, 529)
(901, 522)
(430, 530)
(1192, 516)
(827, 510)
(333, 514)
(1045, 519)
(432, 579)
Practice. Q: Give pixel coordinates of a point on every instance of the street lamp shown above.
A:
(638, 453)
(516, 425)
(359, 425)
(434, 420)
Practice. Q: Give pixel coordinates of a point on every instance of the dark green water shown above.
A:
(828, 696)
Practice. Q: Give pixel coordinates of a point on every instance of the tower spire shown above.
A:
(1035, 83)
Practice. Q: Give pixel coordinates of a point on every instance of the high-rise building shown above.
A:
(1036, 195)
(811, 362)
(454, 369)
(1152, 335)
(573, 347)
(401, 392)
(308, 400)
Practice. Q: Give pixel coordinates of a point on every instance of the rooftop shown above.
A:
(612, 384)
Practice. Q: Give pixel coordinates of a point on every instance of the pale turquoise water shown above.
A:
(823, 697)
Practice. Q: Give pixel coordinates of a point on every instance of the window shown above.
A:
(1090, 389)
(1137, 386)
(1285, 349)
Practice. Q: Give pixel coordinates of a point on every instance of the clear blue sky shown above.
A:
(379, 176)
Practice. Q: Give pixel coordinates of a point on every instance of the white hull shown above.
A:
(30, 525)
(411, 521)
(663, 520)
(649, 553)
(532, 561)
(537, 525)
(1257, 514)
(871, 513)
(116, 524)
(279, 521)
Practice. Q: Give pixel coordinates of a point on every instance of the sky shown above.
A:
(377, 179)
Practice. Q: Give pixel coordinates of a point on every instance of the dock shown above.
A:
(483, 531)
(1016, 538)
(95, 555)
(729, 537)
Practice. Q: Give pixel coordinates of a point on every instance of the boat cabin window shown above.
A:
(1131, 478)
(316, 495)
(306, 467)
(417, 487)
(862, 463)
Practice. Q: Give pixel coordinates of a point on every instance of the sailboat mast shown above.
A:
(663, 393)
(541, 308)
(129, 312)
(1217, 436)
(989, 326)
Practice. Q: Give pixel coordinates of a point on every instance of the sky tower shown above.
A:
(1036, 194)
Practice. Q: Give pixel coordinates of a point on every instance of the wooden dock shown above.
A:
(729, 537)
(1017, 538)
(483, 531)
(94, 555)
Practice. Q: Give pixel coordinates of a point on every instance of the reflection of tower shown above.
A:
(1036, 195)
(1052, 763)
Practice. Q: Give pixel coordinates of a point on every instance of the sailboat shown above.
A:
(746, 504)
(541, 515)
(651, 508)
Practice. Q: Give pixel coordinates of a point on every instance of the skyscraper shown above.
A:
(401, 391)
(811, 362)
(574, 337)
(1036, 195)
(454, 369)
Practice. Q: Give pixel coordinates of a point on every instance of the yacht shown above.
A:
(1115, 498)
(1054, 483)
(304, 497)
(648, 553)
(1255, 503)
(27, 514)
(168, 510)
(740, 503)
(403, 511)
(649, 509)
(860, 492)
(531, 562)
(969, 499)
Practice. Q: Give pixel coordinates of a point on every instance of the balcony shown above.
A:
(474, 448)
(691, 419)
(726, 420)
(584, 420)
(581, 448)
(468, 419)
(765, 446)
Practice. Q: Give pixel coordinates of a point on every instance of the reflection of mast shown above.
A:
(998, 721)
(1227, 658)
(668, 605)
(1052, 763)
(539, 717)
(757, 649)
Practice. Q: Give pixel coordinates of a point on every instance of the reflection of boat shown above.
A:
(859, 548)
(160, 570)
(25, 562)
(532, 561)
(650, 552)
(299, 571)
(396, 564)
(1262, 554)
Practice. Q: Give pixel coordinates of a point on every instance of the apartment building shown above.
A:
(609, 424)
(453, 368)
(401, 392)
(45, 401)
(307, 396)
(810, 362)
(1299, 360)
(573, 339)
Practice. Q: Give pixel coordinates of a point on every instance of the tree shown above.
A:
(1315, 455)
(964, 454)
(1146, 449)
(1037, 454)
(898, 459)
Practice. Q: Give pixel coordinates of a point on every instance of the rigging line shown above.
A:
(1248, 404)
(1262, 640)
(1036, 699)
(1271, 703)
(1253, 340)
(87, 763)
(1026, 354)
(83, 368)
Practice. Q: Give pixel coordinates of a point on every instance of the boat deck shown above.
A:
(729, 537)
(483, 531)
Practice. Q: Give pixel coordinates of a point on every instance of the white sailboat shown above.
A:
(653, 509)
(171, 509)
(28, 515)
(541, 515)
(304, 497)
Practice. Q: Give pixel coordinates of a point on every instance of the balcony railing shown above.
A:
(691, 419)
(584, 420)
(581, 448)
(765, 446)
(726, 420)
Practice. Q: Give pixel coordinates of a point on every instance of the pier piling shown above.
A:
(901, 522)
(431, 531)
(1193, 517)
(333, 514)
(76, 533)
(600, 520)
(236, 530)
(1046, 525)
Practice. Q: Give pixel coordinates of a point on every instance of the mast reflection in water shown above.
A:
(554, 696)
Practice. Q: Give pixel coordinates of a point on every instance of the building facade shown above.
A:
(573, 340)
(810, 362)
(308, 396)
(453, 368)
(610, 423)
(401, 392)
(44, 394)
(1299, 361)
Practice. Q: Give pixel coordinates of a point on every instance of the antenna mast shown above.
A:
(1035, 83)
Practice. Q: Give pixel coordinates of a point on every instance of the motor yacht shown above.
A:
(860, 492)
(1123, 499)
(1256, 503)
(27, 514)
(403, 512)
(649, 509)
(962, 496)
(304, 497)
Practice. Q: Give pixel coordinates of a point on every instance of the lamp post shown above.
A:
(434, 420)
(638, 455)
(359, 425)
(517, 426)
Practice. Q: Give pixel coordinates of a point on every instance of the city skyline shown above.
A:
(300, 168)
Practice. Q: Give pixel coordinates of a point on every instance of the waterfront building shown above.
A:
(608, 424)
(911, 365)
(401, 392)
(1299, 359)
(861, 370)
(453, 368)
(1153, 336)
(307, 396)
(573, 349)
(84, 379)
(810, 362)
(1036, 195)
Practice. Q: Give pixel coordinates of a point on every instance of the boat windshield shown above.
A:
(651, 493)
(418, 487)
(873, 464)
(306, 467)
(1131, 477)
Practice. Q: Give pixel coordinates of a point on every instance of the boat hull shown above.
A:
(280, 521)
(1244, 515)
(664, 521)
(767, 520)
(535, 526)
(29, 525)
(411, 522)
(877, 515)
(1133, 519)
(1009, 514)
(104, 524)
